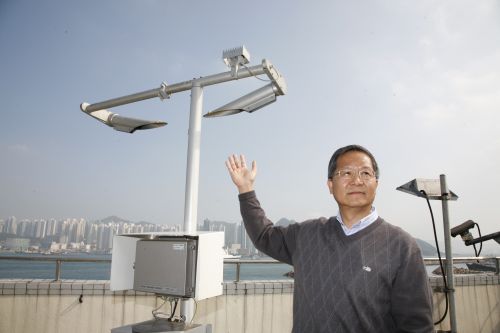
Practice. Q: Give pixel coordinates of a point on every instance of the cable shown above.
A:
(155, 312)
(161, 315)
(173, 311)
(476, 252)
(255, 76)
(446, 290)
(480, 244)
(195, 309)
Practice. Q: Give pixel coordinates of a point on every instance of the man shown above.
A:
(353, 272)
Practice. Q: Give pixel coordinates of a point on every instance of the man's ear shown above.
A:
(329, 183)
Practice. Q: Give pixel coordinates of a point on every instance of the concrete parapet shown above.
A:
(75, 306)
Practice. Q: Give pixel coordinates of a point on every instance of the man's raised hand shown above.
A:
(241, 176)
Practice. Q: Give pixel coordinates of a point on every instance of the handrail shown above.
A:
(54, 258)
(435, 260)
(57, 259)
(238, 262)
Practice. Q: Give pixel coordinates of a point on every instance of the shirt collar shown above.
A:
(363, 223)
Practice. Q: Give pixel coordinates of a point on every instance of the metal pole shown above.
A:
(238, 266)
(192, 178)
(449, 256)
(193, 159)
(58, 270)
(140, 96)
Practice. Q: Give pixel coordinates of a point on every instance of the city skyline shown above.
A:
(82, 235)
(236, 234)
(77, 234)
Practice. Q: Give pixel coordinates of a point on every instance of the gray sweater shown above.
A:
(372, 281)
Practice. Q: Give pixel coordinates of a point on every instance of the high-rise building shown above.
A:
(40, 228)
(51, 228)
(91, 235)
(77, 231)
(23, 228)
(245, 241)
(101, 237)
(230, 230)
(10, 226)
(105, 234)
(65, 230)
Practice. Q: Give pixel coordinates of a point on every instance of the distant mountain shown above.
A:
(114, 219)
(144, 223)
(283, 222)
(117, 219)
(427, 249)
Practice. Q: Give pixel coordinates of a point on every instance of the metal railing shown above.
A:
(238, 262)
(465, 260)
(58, 261)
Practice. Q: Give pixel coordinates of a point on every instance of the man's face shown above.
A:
(353, 192)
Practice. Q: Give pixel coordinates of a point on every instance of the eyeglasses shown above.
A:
(364, 174)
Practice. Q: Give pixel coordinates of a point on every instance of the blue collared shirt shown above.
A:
(363, 223)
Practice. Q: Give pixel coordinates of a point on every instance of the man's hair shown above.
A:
(332, 166)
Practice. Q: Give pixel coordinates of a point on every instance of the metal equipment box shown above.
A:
(172, 264)
(166, 266)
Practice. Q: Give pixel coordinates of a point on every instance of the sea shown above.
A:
(24, 269)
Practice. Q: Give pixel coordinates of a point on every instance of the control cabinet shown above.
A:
(172, 264)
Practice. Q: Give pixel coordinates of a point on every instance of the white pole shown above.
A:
(193, 159)
(445, 195)
(192, 177)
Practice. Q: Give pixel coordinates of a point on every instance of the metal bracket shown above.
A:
(275, 76)
(164, 94)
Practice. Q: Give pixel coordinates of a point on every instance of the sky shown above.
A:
(415, 82)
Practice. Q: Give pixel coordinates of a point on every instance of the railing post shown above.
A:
(238, 264)
(58, 270)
